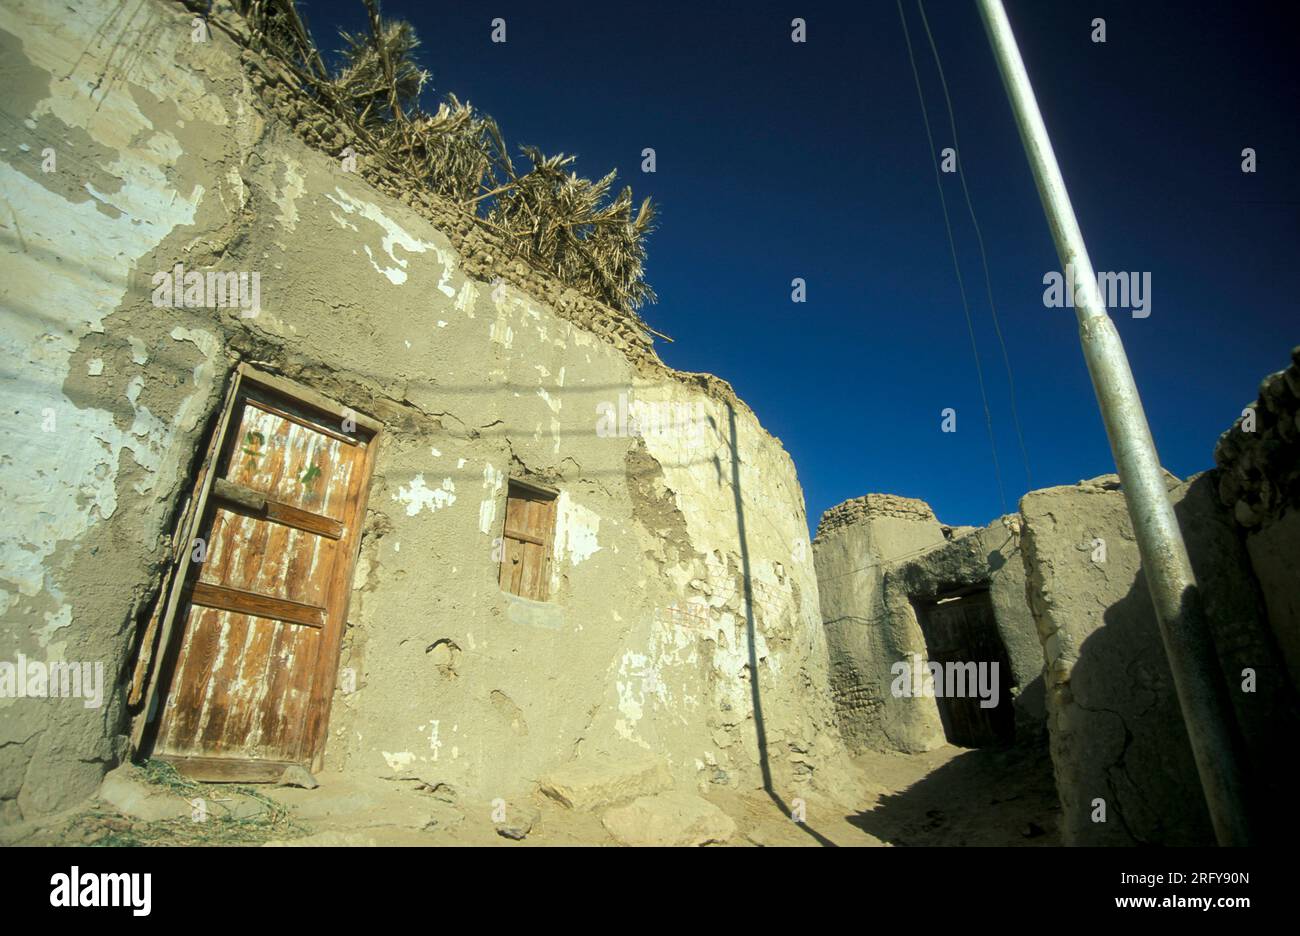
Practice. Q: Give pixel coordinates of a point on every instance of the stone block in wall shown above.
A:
(673, 819)
(586, 785)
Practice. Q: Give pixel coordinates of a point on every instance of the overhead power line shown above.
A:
(952, 245)
(984, 260)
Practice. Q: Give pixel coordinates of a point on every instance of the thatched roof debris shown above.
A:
(546, 214)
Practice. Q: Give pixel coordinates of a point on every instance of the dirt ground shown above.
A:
(961, 796)
(950, 796)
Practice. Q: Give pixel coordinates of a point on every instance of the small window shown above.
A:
(527, 540)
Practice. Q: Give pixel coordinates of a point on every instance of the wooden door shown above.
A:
(962, 629)
(262, 603)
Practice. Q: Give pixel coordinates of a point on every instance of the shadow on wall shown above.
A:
(1030, 705)
(1122, 740)
(1118, 732)
(763, 762)
(1132, 748)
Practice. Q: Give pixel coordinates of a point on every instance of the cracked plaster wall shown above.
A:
(1116, 730)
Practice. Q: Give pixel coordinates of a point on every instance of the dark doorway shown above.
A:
(960, 630)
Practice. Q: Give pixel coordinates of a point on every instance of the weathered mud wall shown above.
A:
(986, 558)
(1118, 742)
(877, 555)
(1259, 482)
(855, 543)
(104, 427)
(167, 154)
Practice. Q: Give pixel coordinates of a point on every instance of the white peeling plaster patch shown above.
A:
(295, 183)
(342, 221)
(63, 481)
(395, 276)
(501, 332)
(139, 351)
(467, 297)
(399, 761)
(732, 660)
(635, 671)
(435, 743)
(487, 509)
(396, 236)
(235, 182)
(448, 262)
(71, 47)
(643, 678)
(417, 495)
(553, 404)
(576, 529)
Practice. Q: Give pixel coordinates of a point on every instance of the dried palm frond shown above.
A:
(570, 225)
(458, 152)
(380, 79)
(276, 25)
(562, 222)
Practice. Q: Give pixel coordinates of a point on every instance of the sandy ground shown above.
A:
(961, 796)
(950, 796)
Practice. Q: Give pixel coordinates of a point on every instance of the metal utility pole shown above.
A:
(1198, 680)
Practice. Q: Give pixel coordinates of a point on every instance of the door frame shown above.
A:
(924, 609)
(155, 664)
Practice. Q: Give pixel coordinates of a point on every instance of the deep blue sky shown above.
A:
(778, 160)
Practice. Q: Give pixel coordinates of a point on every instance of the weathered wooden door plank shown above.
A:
(224, 598)
(198, 502)
(255, 504)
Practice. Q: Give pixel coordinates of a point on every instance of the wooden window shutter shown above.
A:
(527, 541)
